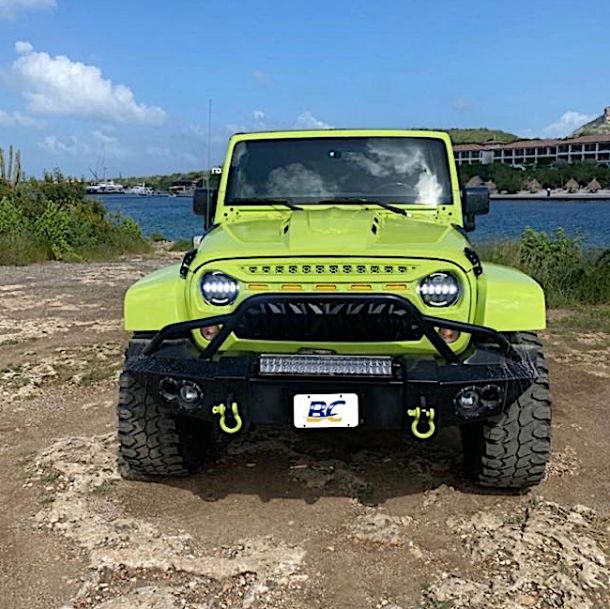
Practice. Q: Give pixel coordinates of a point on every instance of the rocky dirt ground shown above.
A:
(282, 520)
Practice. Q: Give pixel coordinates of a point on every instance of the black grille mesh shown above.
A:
(326, 320)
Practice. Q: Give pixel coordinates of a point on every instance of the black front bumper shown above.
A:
(267, 400)
(168, 360)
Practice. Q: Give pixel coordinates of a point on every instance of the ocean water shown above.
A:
(590, 219)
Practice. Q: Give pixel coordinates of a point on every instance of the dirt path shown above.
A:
(282, 520)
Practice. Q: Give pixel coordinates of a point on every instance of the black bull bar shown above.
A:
(425, 323)
(170, 360)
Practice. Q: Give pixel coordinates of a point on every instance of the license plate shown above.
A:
(319, 410)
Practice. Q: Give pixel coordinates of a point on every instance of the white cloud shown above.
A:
(258, 115)
(10, 8)
(58, 85)
(96, 144)
(259, 76)
(22, 46)
(568, 122)
(17, 119)
(54, 145)
(102, 137)
(307, 120)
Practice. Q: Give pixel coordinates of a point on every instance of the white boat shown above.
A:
(106, 187)
(141, 190)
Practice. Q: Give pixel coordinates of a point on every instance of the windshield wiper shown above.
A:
(363, 200)
(246, 201)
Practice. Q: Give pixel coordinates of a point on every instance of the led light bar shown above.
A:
(325, 365)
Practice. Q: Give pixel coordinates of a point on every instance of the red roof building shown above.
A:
(531, 152)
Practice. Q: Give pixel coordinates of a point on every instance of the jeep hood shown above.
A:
(330, 232)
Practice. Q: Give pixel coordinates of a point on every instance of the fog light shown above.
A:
(190, 393)
(467, 402)
(210, 332)
(491, 396)
(448, 335)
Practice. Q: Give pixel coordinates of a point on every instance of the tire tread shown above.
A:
(152, 440)
(511, 449)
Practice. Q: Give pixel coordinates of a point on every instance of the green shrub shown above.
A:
(568, 273)
(53, 227)
(52, 219)
(11, 217)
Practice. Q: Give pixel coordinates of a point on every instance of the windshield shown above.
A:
(343, 169)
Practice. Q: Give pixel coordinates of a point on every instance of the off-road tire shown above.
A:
(511, 449)
(153, 441)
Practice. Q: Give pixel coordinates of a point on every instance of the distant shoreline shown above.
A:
(602, 195)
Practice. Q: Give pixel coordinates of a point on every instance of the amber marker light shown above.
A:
(448, 335)
(326, 287)
(395, 286)
(361, 287)
(292, 287)
(258, 287)
(210, 332)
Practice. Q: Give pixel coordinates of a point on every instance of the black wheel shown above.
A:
(152, 440)
(511, 449)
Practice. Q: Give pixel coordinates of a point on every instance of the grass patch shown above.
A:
(569, 274)
(45, 499)
(182, 245)
(104, 488)
(581, 319)
(49, 476)
(97, 375)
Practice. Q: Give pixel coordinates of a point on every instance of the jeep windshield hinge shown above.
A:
(474, 259)
(186, 262)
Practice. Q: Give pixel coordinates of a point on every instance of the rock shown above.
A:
(377, 527)
(543, 555)
(118, 542)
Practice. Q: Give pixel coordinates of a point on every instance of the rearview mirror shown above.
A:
(475, 202)
(204, 204)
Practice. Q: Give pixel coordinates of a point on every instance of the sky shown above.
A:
(125, 85)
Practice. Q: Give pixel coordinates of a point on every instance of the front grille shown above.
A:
(328, 320)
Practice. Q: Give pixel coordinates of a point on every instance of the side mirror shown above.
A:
(204, 204)
(475, 202)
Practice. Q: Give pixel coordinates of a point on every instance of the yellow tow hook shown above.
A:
(417, 413)
(220, 410)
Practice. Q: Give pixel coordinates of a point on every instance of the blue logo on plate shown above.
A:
(320, 410)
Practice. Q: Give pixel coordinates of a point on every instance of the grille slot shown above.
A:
(331, 268)
(328, 320)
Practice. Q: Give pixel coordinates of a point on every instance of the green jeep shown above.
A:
(335, 287)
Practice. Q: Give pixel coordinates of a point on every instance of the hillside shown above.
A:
(598, 126)
(480, 136)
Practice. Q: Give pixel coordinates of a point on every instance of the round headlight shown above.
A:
(219, 289)
(439, 289)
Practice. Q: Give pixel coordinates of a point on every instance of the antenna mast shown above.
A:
(209, 153)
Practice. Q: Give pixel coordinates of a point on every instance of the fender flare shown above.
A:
(509, 300)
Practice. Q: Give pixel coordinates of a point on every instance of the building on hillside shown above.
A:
(532, 152)
(182, 188)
